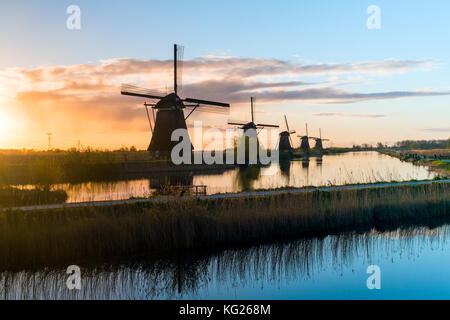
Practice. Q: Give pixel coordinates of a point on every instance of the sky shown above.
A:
(315, 61)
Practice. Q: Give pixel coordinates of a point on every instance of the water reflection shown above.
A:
(319, 161)
(302, 269)
(285, 168)
(246, 177)
(356, 167)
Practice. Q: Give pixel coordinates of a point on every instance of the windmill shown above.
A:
(305, 141)
(250, 128)
(285, 138)
(319, 141)
(252, 125)
(170, 109)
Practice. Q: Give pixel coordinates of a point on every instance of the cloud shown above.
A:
(330, 114)
(224, 67)
(444, 129)
(86, 97)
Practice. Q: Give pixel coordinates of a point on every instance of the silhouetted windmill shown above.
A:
(305, 141)
(252, 125)
(250, 131)
(285, 138)
(319, 141)
(170, 109)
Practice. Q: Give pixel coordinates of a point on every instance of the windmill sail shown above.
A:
(130, 90)
(178, 72)
(210, 103)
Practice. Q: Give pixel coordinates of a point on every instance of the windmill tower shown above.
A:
(305, 141)
(319, 141)
(286, 144)
(170, 110)
(250, 129)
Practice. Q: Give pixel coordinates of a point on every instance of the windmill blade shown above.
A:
(252, 100)
(267, 125)
(206, 102)
(179, 66)
(208, 109)
(287, 125)
(213, 109)
(207, 106)
(236, 124)
(130, 90)
(292, 132)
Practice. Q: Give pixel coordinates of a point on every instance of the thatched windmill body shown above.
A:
(286, 144)
(319, 141)
(250, 129)
(170, 110)
(304, 144)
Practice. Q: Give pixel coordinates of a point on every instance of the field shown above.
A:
(95, 234)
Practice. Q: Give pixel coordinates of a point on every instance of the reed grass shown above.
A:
(76, 235)
(12, 197)
(38, 167)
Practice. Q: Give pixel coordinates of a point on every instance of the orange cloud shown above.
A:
(84, 100)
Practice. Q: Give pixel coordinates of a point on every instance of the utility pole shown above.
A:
(49, 134)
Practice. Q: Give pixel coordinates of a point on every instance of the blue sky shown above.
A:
(305, 32)
(317, 31)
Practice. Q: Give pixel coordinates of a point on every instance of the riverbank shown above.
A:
(12, 197)
(76, 235)
(52, 167)
(436, 160)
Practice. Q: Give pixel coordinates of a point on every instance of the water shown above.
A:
(348, 168)
(414, 261)
(414, 264)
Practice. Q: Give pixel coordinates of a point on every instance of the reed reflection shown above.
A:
(194, 275)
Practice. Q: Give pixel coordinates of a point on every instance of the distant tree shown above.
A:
(448, 143)
(380, 145)
(421, 144)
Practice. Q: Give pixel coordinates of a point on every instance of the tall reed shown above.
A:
(31, 239)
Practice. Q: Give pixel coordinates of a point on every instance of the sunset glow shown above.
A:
(71, 87)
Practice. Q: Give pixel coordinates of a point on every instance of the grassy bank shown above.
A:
(13, 197)
(436, 159)
(51, 167)
(71, 236)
